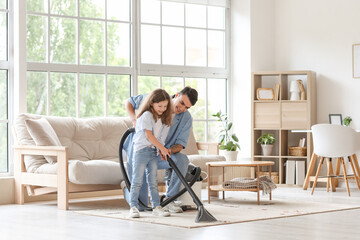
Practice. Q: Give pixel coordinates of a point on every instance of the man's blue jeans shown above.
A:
(181, 161)
(145, 161)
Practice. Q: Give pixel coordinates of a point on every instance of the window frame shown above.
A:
(136, 68)
(7, 65)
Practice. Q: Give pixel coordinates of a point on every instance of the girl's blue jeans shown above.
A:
(144, 163)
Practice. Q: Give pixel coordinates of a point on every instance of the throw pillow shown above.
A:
(43, 134)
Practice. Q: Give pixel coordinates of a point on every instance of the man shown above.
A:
(176, 140)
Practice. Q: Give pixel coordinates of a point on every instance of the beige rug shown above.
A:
(226, 211)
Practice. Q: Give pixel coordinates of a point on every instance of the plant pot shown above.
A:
(267, 149)
(229, 155)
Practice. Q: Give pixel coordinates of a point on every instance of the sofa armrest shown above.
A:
(210, 147)
(62, 182)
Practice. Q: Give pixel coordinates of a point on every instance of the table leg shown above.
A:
(270, 178)
(258, 184)
(223, 173)
(208, 180)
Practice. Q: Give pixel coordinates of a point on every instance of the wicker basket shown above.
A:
(274, 176)
(297, 151)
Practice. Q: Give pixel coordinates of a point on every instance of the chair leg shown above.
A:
(345, 176)
(331, 173)
(356, 164)
(328, 173)
(310, 171)
(356, 175)
(317, 174)
(337, 170)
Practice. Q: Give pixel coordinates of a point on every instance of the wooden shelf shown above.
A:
(283, 115)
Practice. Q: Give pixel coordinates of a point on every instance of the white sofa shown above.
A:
(80, 155)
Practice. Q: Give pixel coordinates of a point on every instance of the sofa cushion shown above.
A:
(191, 147)
(43, 134)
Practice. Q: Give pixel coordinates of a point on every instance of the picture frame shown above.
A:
(265, 94)
(356, 60)
(335, 119)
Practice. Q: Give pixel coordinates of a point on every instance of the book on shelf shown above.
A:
(290, 172)
(277, 91)
(302, 142)
(300, 172)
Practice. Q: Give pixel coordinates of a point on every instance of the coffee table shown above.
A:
(236, 164)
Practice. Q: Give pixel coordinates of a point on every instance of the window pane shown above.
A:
(198, 111)
(36, 38)
(36, 95)
(118, 90)
(118, 10)
(195, 47)
(63, 7)
(195, 15)
(213, 131)
(150, 44)
(172, 84)
(37, 6)
(147, 83)
(63, 40)
(173, 46)
(63, 94)
(216, 17)
(118, 44)
(173, 13)
(3, 94)
(2, 4)
(91, 42)
(91, 95)
(150, 11)
(216, 96)
(199, 130)
(3, 36)
(92, 8)
(3, 147)
(216, 52)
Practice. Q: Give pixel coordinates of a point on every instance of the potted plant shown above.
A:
(347, 121)
(228, 142)
(266, 140)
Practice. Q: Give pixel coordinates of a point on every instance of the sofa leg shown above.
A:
(63, 181)
(19, 193)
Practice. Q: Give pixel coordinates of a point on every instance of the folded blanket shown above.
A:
(266, 184)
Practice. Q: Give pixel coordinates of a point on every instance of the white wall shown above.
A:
(252, 29)
(318, 35)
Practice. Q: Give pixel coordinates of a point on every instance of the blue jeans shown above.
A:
(181, 161)
(145, 161)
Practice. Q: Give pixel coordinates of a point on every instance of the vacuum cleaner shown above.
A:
(202, 216)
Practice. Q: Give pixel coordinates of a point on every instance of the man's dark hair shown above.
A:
(191, 93)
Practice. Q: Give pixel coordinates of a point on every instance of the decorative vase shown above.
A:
(229, 155)
(267, 149)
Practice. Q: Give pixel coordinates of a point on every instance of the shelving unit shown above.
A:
(280, 116)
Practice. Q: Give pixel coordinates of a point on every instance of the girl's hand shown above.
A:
(165, 153)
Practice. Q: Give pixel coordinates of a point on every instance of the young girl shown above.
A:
(152, 125)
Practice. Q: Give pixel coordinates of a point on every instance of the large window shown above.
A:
(85, 57)
(79, 57)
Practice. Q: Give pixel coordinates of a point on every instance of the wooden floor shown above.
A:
(43, 221)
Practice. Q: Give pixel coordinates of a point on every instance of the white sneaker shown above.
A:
(173, 208)
(123, 185)
(159, 211)
(134, 213)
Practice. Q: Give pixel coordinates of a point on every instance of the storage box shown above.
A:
(297, 151)
(274, 176)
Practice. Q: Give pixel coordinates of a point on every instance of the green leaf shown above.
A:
(234, 137)
(228, 126)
